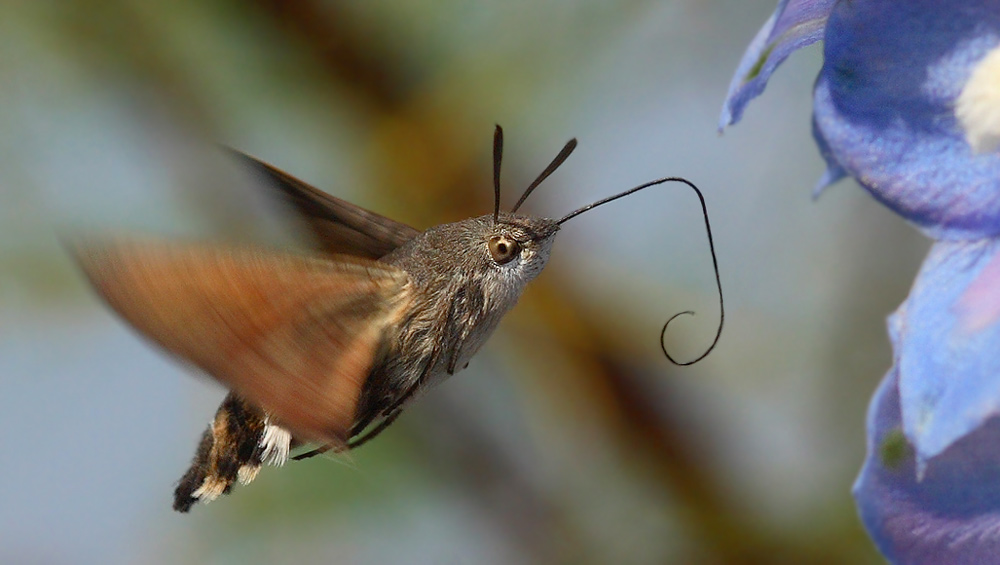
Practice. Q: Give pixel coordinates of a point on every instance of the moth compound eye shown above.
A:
(503, 249)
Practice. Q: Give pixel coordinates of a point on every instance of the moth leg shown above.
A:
(313, 453)
(389, 415)
(359, 441)
(393, 412)
(238, 441)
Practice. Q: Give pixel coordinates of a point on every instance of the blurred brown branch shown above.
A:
(349, 51)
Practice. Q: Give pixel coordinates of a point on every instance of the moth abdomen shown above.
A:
(238, 441)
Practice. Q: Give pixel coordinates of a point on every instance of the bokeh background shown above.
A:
(569, 439)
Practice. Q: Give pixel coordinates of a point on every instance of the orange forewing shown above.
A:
(296, 335)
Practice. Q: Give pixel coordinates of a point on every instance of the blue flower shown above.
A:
(886, 102)
(929, 491)
(793, 25)
(908, 104)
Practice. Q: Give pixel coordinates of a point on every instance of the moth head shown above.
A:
(517, 247)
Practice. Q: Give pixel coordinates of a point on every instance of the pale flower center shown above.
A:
(978, 106)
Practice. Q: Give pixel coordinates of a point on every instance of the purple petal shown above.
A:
(950, 515)
(979, 306)
(885, 109)
(949, 371)
(834, 172)
(794, 24)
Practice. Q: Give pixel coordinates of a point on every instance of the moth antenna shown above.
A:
(497, 157)
(711, 248)
(560, 158)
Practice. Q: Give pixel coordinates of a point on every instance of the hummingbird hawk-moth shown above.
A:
(328, 348)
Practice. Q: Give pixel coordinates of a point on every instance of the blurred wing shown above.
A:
(340, 227)
(296, 335)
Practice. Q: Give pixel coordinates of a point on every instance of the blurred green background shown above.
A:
(569, 439)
